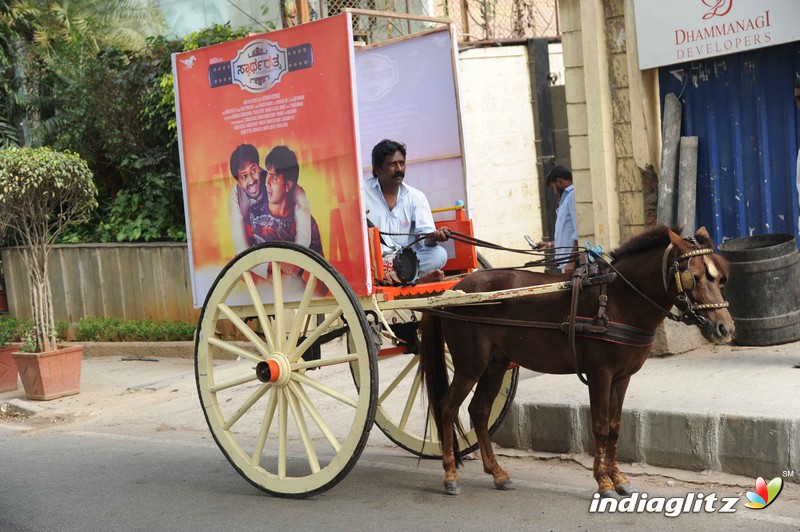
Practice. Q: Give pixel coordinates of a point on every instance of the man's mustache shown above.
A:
(399, 174)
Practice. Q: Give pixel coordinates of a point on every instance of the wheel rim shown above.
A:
(292, 427)
(402, 406)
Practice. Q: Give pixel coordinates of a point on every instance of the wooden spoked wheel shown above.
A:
(272, 362)
(402, 412)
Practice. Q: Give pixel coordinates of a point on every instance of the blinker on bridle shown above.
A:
(685, 282)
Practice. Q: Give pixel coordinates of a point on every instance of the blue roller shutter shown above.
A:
(742, 109)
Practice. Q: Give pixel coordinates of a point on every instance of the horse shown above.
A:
(652, 271)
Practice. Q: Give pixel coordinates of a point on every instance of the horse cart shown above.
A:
(294, 369)
(299, 352)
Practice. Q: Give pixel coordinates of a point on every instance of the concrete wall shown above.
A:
(501, 154)
(614, 118)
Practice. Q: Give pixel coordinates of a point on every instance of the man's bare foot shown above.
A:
(431, 276)
(390, 279)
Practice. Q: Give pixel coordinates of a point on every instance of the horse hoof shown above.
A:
(505, 485)
(626, 489)
(608, 494)
(452, 488)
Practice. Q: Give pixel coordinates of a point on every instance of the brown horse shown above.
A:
(655, 270)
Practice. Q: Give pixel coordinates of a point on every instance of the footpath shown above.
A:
(727, 409)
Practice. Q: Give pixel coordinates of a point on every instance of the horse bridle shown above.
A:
(685, 282)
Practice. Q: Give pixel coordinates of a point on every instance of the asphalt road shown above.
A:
(132, 452)
(58, 479)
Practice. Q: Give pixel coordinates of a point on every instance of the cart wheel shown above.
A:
(403, 407)
(273, 378)
(483, 263)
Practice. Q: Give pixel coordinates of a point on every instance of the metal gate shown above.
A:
(741, 107)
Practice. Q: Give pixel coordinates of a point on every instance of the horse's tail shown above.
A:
(433, 371)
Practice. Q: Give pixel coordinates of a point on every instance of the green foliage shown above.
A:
(43, 191)
(13, 330)
(122, 111)
(28, 344)
(100, 330)
(80, 76)
(116, 330)
(218, 33)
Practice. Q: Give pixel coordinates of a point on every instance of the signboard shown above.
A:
(690, 30)
(283, 96)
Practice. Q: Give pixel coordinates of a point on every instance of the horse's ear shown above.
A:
(676, 239)
(702, 234)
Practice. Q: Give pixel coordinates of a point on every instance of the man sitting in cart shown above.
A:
(395, 207)
(268, 205)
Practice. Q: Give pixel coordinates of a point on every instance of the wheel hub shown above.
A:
(275, 369)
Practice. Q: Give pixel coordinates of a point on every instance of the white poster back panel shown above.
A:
(407, 93)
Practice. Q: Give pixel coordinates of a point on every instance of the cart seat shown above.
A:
(462, 259)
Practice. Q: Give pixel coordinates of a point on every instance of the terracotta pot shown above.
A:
(52, 374)
(8, 369)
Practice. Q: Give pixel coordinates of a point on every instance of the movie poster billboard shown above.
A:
(280, 100)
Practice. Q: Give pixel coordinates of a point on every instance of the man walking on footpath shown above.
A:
(566, 231)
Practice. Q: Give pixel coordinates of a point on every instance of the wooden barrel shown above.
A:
(764, 288)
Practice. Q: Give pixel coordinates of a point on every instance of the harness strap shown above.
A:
(664, 269)
(614, 332)
(602, 301)
(491, 321)
(584, 327)
(578, 275)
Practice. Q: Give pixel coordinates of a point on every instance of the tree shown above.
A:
(42, 192)
(45, 39)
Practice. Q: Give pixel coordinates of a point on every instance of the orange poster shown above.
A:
(271, 114)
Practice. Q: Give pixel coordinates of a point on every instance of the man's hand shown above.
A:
(544, 245)
(440, 235)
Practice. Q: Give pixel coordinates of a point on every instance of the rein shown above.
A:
(614, 332)
(472, 241)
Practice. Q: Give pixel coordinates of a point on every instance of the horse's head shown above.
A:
(697, 275)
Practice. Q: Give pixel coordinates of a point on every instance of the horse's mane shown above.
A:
(658, 237)
(652, 238)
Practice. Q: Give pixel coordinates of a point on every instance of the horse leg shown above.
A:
(599, 391)
(479, 409)
(621, 483)
(458, 391)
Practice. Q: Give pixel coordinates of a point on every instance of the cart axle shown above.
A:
(268, 371)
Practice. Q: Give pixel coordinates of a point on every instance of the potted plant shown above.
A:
(42, 192)
(8, 368)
